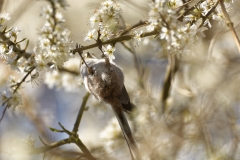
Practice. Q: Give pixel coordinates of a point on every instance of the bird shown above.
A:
(105, 81)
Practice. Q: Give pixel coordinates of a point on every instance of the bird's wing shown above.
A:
(125, 100)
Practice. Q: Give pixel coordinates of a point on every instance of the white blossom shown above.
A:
(59, 17)
(94, 19)
(137, 36)
(109, 52)
(107, 16)
(90, 35)
(165, 33)
(4, 17)
(3, 49)
(47, 11)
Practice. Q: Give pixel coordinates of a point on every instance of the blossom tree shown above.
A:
(183, 78)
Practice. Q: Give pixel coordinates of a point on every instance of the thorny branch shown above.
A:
(114, 40)
(188, 10)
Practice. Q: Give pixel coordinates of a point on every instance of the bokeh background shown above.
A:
(203, 109)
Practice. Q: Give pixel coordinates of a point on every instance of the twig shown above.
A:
(126, 47)
(23, 80)
(63, 69)
(4, 111)
(180, 7)
(49, 147)
(73, 136)
(64, 129)
(80, 113)
(139, 24)
(55, 130)
(84, 149)
(42, 141)
(230, 24)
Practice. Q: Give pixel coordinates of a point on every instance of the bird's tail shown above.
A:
(118, 110)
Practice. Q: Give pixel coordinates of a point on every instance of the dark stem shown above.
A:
(23, 80)
(4, 111)
(229, 24)
(80, 113)
(114, 40)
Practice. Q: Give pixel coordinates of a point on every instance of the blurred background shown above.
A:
(202, 115)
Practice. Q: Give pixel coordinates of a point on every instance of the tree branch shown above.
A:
(80, 113)
(114, 40)
(73, 136)
(23, 80)
(230, 24)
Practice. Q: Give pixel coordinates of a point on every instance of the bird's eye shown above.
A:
(82, 62)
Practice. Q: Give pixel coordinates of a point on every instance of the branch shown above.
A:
(73, 136)
(139, 24)
(84, 149)
(4, 111)
(210, 12)
(63, 69)
(188, 10)
(114, 40)
(23, 80)
(80, 113)
(230, 24)
(185, 4)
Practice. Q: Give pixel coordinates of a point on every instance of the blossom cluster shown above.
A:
(106, 18)
(50, 53)
(180, 32)
(8, 45)
(53, 44)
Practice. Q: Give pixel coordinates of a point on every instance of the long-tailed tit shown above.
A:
(104, 80)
